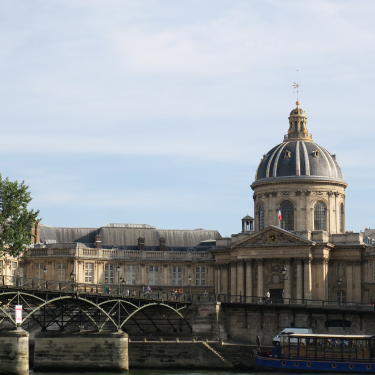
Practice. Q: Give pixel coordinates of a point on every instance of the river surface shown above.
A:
(160, 372)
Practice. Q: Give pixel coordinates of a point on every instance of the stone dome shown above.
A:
(298, 156)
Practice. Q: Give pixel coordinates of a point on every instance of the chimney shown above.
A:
(162, 246)
(98, 241)
(141, 243)
(35, 231)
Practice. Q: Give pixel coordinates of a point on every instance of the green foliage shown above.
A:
(16, 221)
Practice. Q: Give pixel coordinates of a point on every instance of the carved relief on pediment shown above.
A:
(273, 265)
(265, 239)
(260, 241)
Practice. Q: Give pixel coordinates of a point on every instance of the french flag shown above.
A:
(280, 213)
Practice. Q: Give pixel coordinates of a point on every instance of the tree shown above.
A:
(16, 221)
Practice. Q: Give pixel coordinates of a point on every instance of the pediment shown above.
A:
(272, 236)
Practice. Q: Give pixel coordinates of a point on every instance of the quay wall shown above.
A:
(244, 323)
(193, 355)
(88, 351)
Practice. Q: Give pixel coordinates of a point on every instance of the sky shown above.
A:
(158, 112)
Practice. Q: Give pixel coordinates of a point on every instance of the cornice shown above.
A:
(272, 181)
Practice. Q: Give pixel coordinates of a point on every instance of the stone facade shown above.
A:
(299, 205)
(137, 267)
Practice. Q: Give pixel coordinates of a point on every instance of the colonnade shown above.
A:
(251, 278)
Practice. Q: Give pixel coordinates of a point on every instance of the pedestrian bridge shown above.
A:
(70, 305)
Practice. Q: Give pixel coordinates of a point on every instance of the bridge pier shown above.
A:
(75, 351)
(207, 321)
(14, 352)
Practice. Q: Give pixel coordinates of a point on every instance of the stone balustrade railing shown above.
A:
(120, 254)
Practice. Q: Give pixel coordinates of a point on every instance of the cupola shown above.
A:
(297, 125)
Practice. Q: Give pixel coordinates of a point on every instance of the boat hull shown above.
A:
(306, 366)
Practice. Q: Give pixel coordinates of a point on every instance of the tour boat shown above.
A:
(320, 353)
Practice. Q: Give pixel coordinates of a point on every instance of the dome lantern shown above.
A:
(297, 125)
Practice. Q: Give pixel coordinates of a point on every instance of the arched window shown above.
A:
(287, 215)
(261, 217)
(341, 218)
(341, 296)
(320, 216)
(340, 269)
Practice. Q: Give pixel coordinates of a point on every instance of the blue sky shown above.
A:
(158, 112)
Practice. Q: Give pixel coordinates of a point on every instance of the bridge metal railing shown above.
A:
(136, 292)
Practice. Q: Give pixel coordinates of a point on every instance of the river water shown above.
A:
(162, 372)
(170, 372)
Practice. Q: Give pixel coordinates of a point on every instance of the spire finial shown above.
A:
(296, 87)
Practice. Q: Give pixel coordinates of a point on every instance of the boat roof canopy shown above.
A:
(323, 336)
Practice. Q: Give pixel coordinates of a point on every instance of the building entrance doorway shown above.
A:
(276, 295)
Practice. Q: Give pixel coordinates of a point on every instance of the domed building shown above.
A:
(308, 254)
(301, 178)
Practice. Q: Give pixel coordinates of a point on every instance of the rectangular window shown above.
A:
(61, 272)
(109, 273)
(14, 269)
(200, 275)
(373, 271)
(39, 271)
(130, 274)
(153, 275)
(176, 275)
(89, 272)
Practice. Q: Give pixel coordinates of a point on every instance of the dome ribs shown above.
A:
(298, 165)
(277, 159)
(307, 163)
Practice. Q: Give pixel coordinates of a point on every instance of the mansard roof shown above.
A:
(127, 235)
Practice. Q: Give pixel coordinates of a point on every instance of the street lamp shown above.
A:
(339, 282)
(18, 268)
(123, 282)
(72, 276)
(190, 283)
(119, 280)
(45, 275)
(283, 272)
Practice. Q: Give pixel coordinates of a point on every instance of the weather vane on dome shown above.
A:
(297, 87)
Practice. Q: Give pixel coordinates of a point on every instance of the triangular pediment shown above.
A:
(272, 236)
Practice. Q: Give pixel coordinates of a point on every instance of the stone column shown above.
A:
(233, 278)
(357, 281)
(165, 276)
(288, 281)
(307, 278)
(308, 225)
(249, 279)
(141, 278)
(224, 279)
(240, 278)
(218, 279)
(298, 262)
(349, 280)
(260, 290)
(320, 276)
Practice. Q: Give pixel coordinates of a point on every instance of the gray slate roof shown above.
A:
(127, 235)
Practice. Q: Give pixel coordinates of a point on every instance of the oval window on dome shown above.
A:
(320, 216)
(287, 215)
